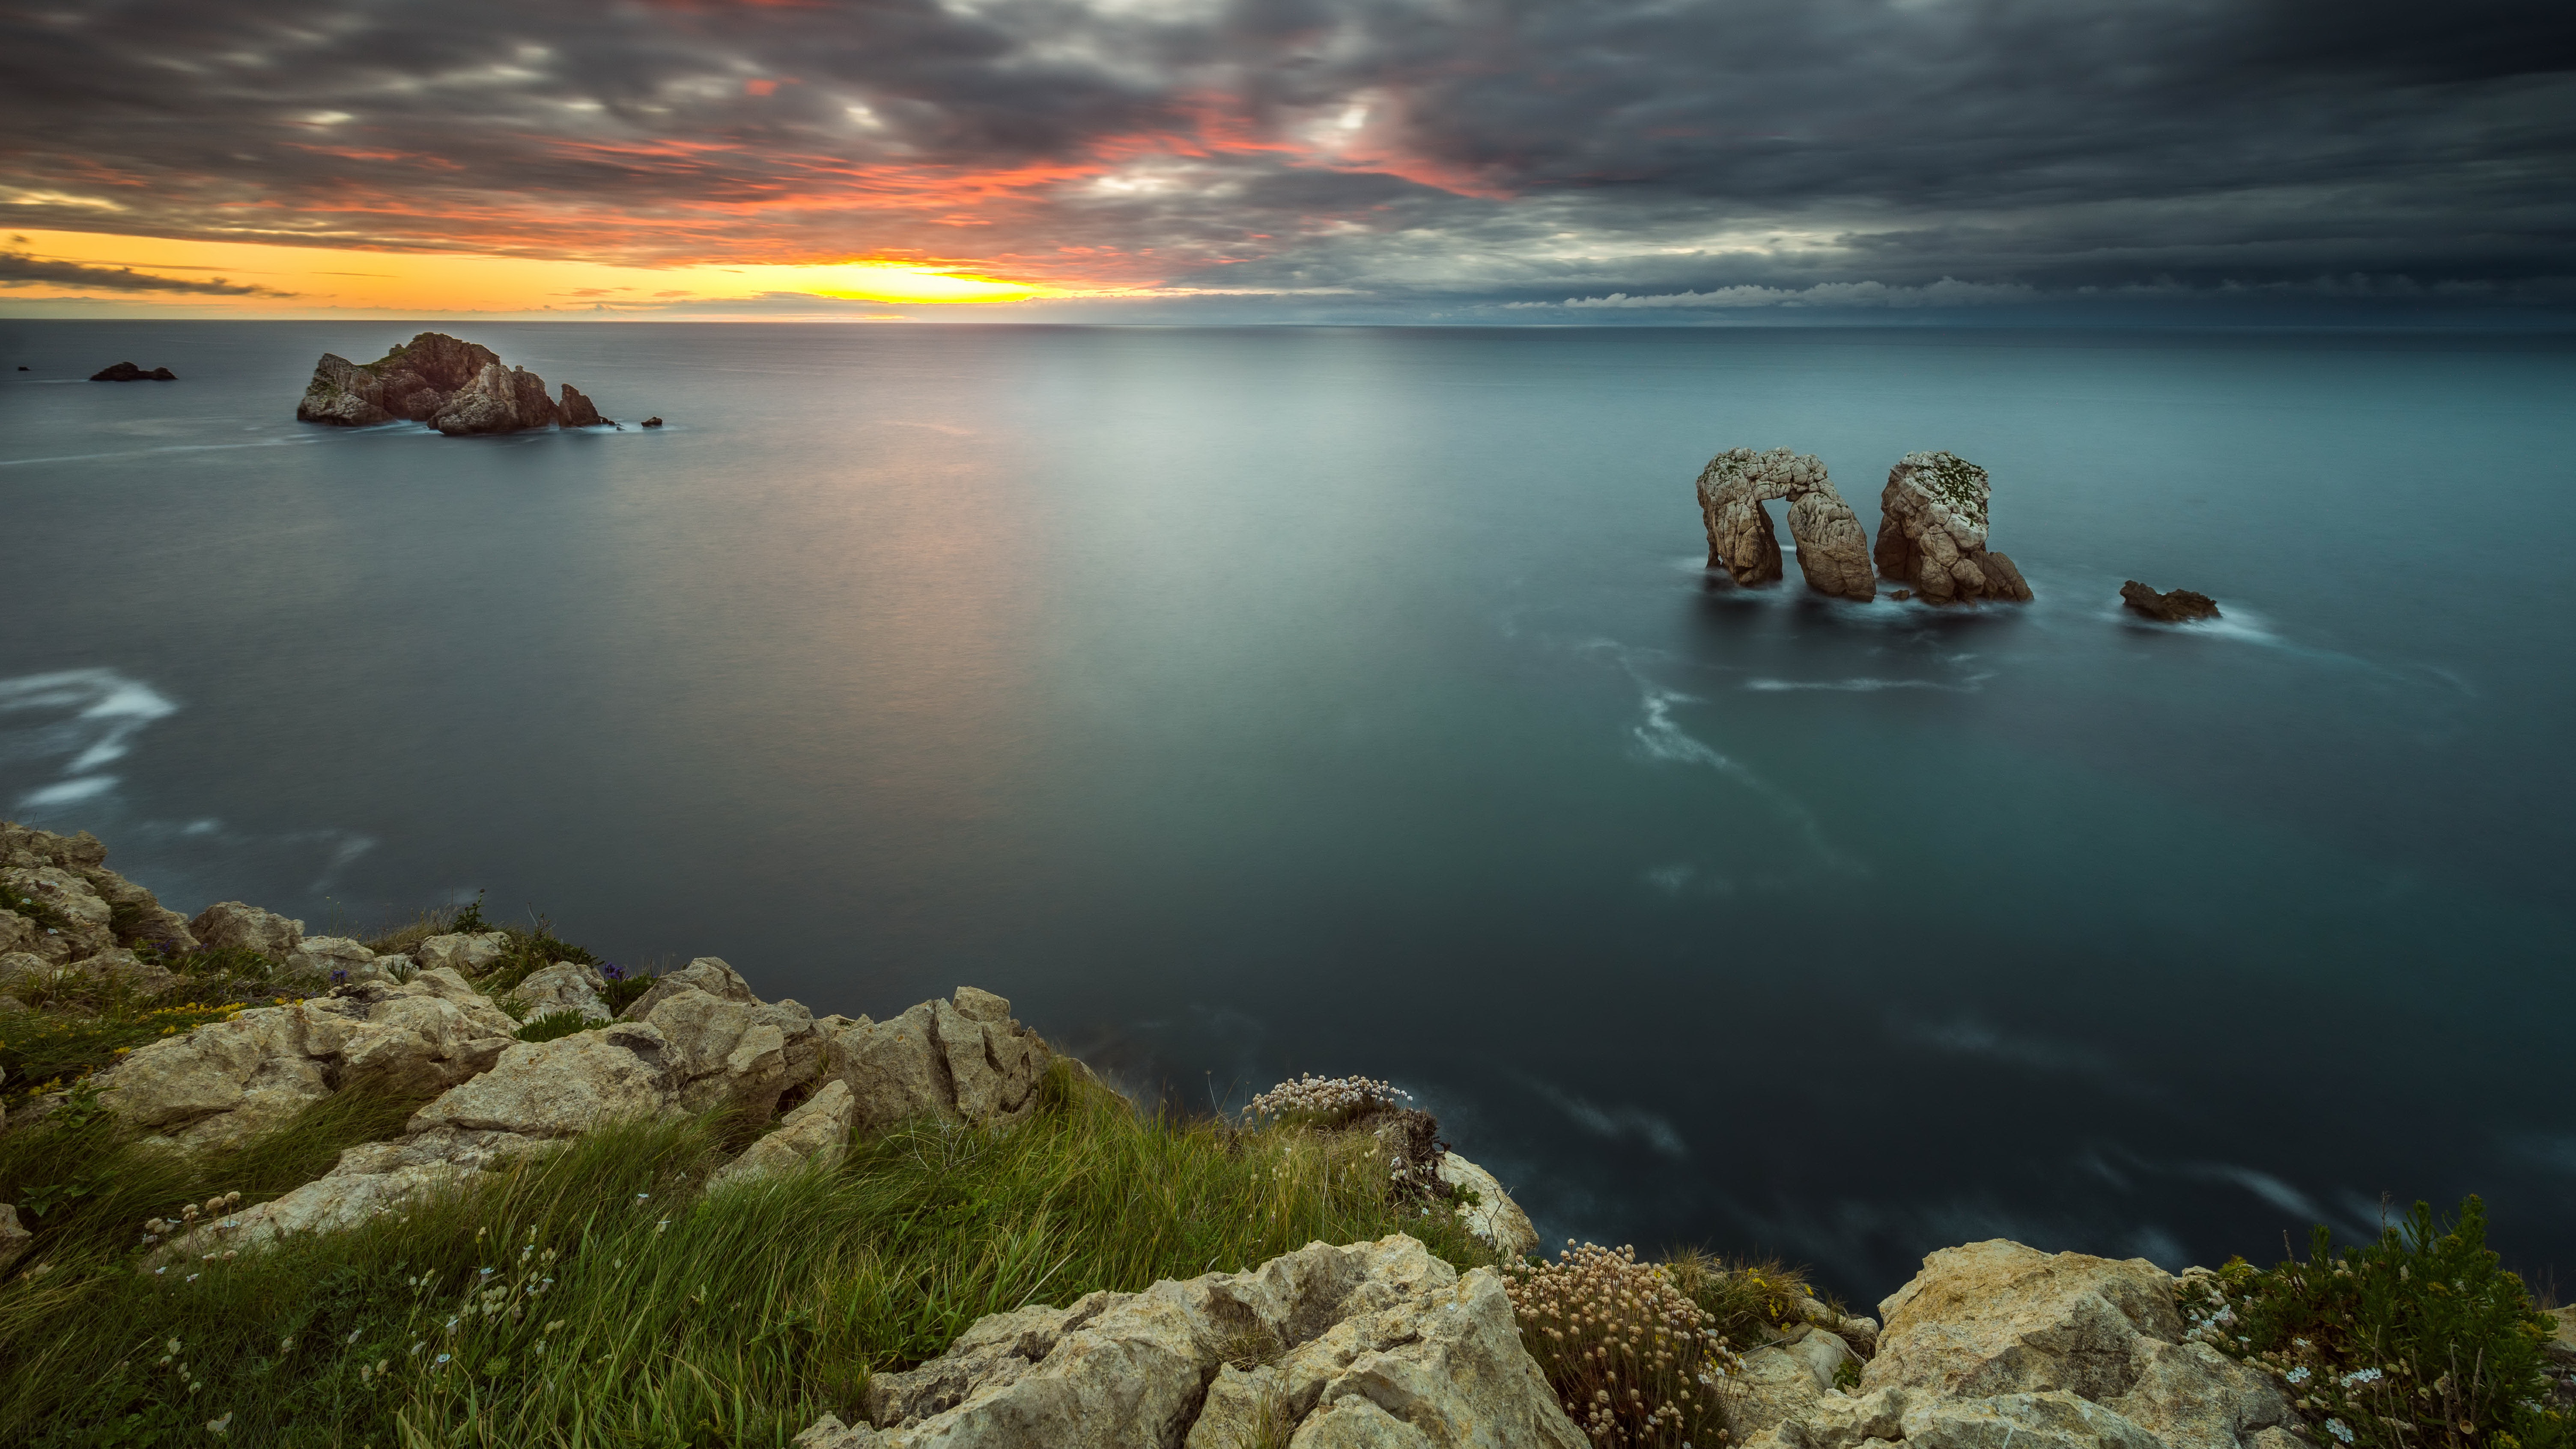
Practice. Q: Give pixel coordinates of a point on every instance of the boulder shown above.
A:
(228, 925)
(2181, 606)
(564, 986)
(465, 953)
(1932, 532)
(1774, 1389)
(1839, 1421)
(1999, 1319)
(1376, 1343)
(228, 1081)
(128, 372)
(562, 1087)
(1493, 1217)
(1833, 552)
(962, 1059)
(817, 1132)
(735, 1053)
(326, 955)
(576, 411)
(58, 915)
(707, 973)
(369, 1180)
(123, 968)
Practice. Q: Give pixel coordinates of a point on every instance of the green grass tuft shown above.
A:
(555, 1024)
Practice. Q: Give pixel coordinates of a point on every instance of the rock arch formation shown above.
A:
(1932, 532)
(1833, 552)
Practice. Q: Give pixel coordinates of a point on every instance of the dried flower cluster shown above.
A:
(1635, 1361)
(1311, 1095)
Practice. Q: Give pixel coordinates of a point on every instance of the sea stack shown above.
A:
(1833, 552)
(128, 372)
(457, 387)
(2182, 606)
(1932, 533)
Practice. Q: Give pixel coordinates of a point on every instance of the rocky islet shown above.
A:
(460, 388)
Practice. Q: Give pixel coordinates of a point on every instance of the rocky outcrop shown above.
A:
(369, 1180)
(128, 372)
(466, 953)
(1932, 532)
(230, 925)
(1833, 552)
(458, 387)
(563, 1087)
(815, 1134)
(576, 410)
(1371, 1344)
(2181, 606)
(228, 1081)
(1997, 1340)
(60, 904)
(964, 1059)
(1485, 1208)
(564, 986)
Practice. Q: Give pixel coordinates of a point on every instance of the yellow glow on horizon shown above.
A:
(323, 279)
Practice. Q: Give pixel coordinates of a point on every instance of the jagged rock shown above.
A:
(370, 1179)
(227, 1081)
(1494, 1217)
(2053, 1419)
(734, 1053)
(1932, 532)
(125, 969)
(816, 1132)
(562, 1087)
(1833, 552)
(1774, 1388)
(1841, 1422)
(576, 411)
(965, 1058)
(134, 914)
(2181, 606)
(226, 925)
(64, 918)
(499, 400)
(326, 954)
(13, 1238)
(128, 372)
(1376, 1343)
(465, 953)
(1997, 1318)
(456, 386)
(707, 973)
(28, 846)
(564, 986)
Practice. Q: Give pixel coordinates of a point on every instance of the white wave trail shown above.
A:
(95, 715)
(1970, 685)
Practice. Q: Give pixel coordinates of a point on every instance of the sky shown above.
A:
(1494, 161)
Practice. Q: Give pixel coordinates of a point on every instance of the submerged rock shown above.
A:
(1833, 552)
(1371, 1344)
(1932, 533)
(2181, 606)
(128, 372)
(458, 387)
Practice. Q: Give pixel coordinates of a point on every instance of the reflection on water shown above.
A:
(1242, 703)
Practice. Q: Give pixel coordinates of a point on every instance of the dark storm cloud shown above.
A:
(1755, 152)
(18, 268)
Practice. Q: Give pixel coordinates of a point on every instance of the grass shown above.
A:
(1751, 1299)
(2417, 1340)
(598, 1297)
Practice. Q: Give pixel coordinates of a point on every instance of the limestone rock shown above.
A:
(1776, 1387)
(816, 1132)
(732, 1053)
(964, 1058)
(125, 969)
(1494, 1217)
(1375, 1343)
(2181, 606)
(707, 973)
(564, 986)
(128, 372)
(576, 411)
(1839, 1421)
(369, 1180)
(228, 925)
(327, 954)
(1997, 1318)
(499, 400)
(1932, 532)
(465, 953)
(14, 1239)
(25, 845)
(1824, 1353)
(562, 1087)
(63, 919)
(136, 915)
(2049, 1420)
(1833, 552)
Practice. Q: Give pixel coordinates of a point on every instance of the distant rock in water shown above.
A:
(128, 372)
(1932, 533)
(577, 411)
(2182, 606)
(459, 388)
(1833, 552)
(652, 422)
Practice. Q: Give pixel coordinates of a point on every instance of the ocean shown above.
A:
(1248, 702)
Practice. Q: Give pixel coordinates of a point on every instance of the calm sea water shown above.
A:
(1249, 702)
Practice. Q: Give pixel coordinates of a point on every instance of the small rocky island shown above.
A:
(128, 372)
(1931, 530)
(459, 388)
(2180, 606)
